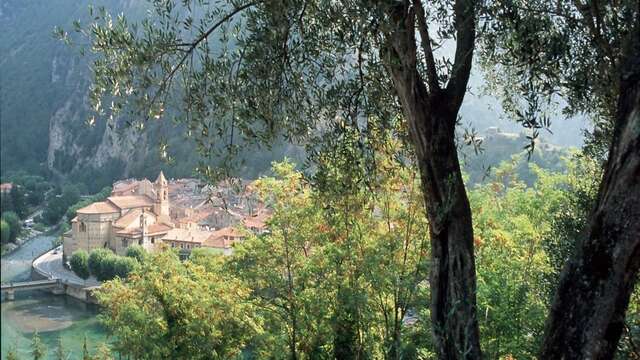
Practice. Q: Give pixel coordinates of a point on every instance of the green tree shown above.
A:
(96, 260)
(108, 267)
(38, 350)
(136, 252)
(103, 352)
(309, 73)
(123, 266)
(12, 354)
(15, 225)
(6, 203)
(85, 350)
(60, 354)
(80, 264)
(18, 201)
(58, 204)
(5, 232)
(197, 312)
(283, 60)
(333, 272)
(588, 54)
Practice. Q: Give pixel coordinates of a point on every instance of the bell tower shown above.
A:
(161, 204)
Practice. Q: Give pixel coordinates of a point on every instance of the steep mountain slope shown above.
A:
(43, 86)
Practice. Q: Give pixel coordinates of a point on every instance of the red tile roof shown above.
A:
(257, 221)
(158, 228)
(224, 238)
(128, 218)
(100, 207)
(130, 201)
(6, 187)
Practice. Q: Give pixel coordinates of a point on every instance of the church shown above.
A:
(139, 214)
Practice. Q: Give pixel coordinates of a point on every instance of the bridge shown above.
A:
(10, 288)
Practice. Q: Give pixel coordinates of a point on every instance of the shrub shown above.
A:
(5, 232)
(137, 252)
(15, 225)
(96, 258)
(80, 264)
(123, 265)
(107, 268)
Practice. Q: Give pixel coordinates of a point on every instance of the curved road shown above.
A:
(50, 264)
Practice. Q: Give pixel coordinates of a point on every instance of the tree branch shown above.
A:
(194, 44)
(590, 15)
(465, 25)
(432, 74)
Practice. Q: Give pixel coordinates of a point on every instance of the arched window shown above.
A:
(83, 227)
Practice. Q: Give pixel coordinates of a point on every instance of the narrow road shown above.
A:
(50, 264)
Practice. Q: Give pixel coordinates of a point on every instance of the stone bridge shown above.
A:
(9, 289)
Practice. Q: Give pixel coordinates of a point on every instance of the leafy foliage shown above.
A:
(58, 203)
(14, 224)
(346, 273)
(96, 259)
(170, 309)
(538, 53)
(5, 232)
(136, 252)
(80, 264)
(38, 349)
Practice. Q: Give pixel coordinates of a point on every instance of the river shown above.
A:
(53, 316)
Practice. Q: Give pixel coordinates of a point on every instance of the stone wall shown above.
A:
(89, 232)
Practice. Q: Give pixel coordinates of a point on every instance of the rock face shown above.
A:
(75, 145)
(43, 97)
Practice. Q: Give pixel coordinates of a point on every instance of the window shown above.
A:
(153, 240)
(124, 243)
(83, 227)
(140, 242)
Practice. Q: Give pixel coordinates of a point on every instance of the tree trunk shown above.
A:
(587, 315)
(453, 276)
(432, 120)
(431, 117)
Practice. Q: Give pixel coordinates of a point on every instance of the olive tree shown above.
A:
(254, 71)
(241, 72)
(586, 53)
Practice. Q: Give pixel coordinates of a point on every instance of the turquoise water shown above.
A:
(52, 316)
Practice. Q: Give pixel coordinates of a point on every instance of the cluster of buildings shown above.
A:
(182, 214)
(5, 188)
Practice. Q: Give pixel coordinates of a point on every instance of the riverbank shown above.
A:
(28, 234)
(53, 316)
(50, 266)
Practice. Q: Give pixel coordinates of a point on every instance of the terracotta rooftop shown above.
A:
(256, 221)
(158, 228)
(131, 232)
(186, 235)
(223, 238)
(100, 207)
(130, 201)
(128, 218)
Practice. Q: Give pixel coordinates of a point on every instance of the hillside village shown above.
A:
(183, 214)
